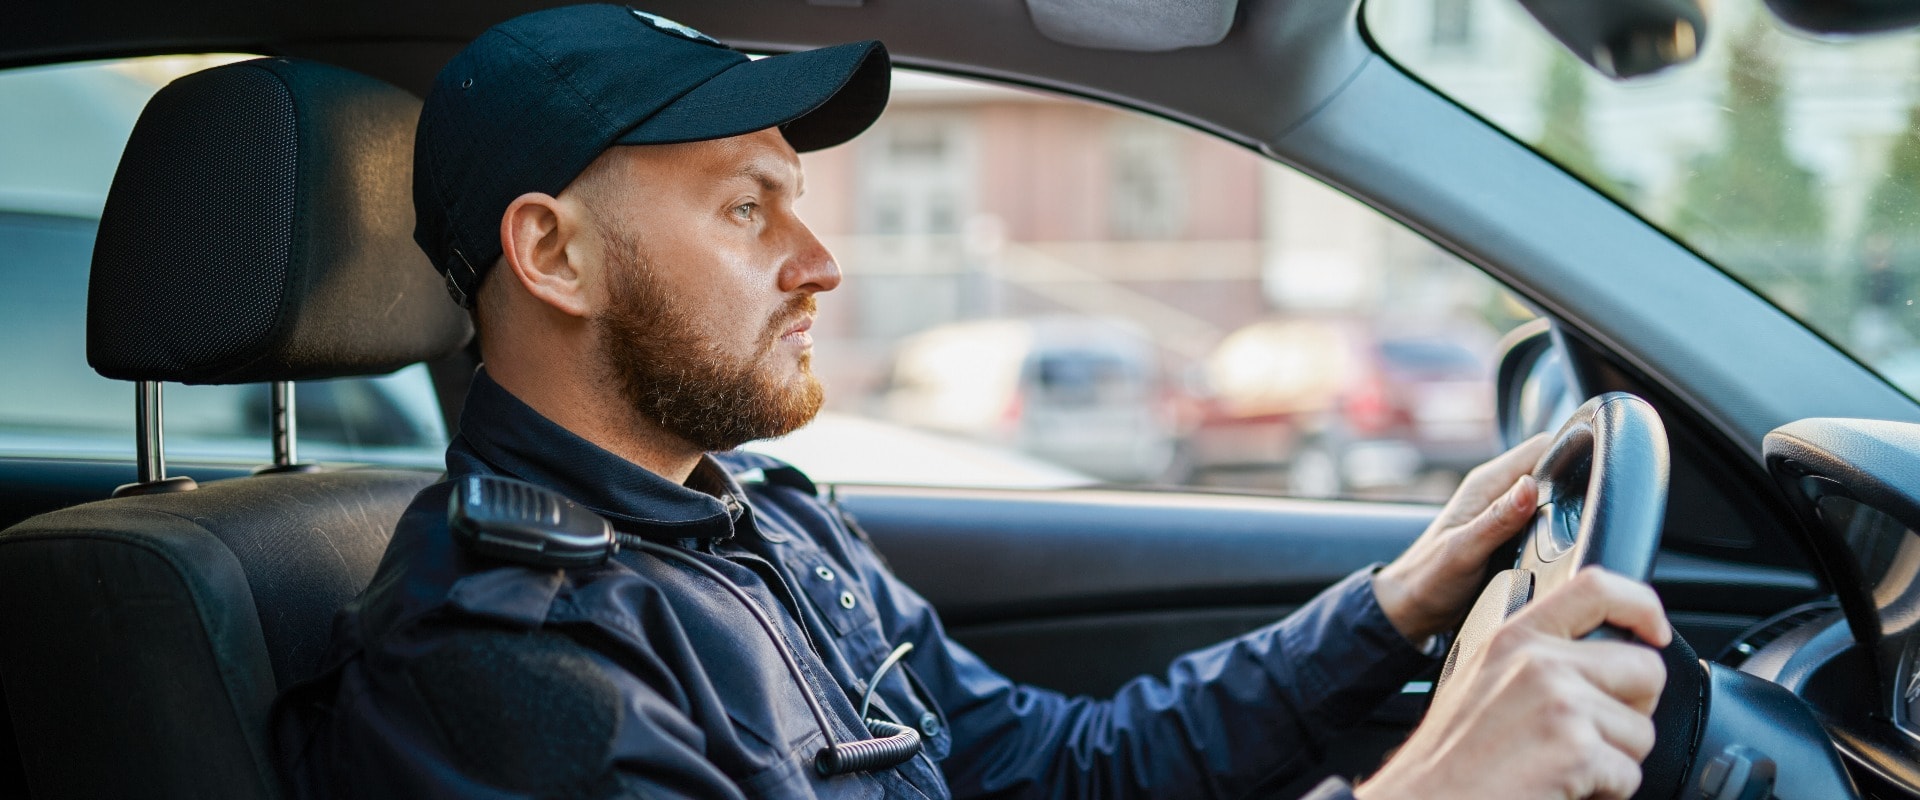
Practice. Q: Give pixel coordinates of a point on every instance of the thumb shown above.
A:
(1502, 518)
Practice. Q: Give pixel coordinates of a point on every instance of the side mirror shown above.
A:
(1535, 388)
(1625, 38)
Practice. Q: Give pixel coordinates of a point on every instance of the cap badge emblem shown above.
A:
(675, 28)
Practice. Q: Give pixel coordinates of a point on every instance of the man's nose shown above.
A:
(810, 268)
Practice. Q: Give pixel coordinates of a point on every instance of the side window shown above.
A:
(1045, 291)
(56, 164)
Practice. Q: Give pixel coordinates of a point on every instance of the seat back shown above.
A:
(147, 636)
(258, 229)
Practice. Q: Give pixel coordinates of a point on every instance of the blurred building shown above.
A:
(971, 201)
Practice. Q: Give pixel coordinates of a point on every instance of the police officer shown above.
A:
(612, 194)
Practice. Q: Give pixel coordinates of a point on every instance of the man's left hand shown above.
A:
(1429, 587)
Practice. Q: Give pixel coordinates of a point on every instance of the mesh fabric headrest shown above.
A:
(260, 228)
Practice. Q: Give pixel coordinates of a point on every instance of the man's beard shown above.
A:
(690, 386)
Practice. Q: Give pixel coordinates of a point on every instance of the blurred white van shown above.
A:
(1084, 392)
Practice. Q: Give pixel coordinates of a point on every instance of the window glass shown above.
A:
(1452, 24)
(1046, 291)
(1792, 162)
(60, 141)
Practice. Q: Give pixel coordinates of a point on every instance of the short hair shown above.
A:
(591, 186)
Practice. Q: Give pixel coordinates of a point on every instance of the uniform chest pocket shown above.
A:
(844, 603)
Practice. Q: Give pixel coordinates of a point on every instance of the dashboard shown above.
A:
(1855, 487)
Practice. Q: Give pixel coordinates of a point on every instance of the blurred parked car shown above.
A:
(1332, 407)
(1084, 392)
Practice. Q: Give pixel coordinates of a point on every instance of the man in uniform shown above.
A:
(612, 194)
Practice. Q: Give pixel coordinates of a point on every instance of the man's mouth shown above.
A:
(798, 334)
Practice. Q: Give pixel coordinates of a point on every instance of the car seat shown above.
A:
(258, 230)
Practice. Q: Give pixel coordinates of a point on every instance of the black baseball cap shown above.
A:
(528, 105)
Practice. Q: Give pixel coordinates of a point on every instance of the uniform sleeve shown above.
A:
(1222, 721)
(497, 714)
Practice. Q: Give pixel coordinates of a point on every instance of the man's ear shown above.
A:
(534, 235)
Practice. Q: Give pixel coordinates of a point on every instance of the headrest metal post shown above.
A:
(149, 431)
(283, 444)
(150, 446)
(286, 458)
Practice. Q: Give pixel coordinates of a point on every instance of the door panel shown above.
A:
(984, 556)
(1080, 590)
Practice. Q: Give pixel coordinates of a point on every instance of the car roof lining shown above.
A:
(1280, 60)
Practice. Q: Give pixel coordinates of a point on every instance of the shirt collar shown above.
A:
(510, 437)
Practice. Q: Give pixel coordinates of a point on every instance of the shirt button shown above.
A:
(930, 725)
(847, 601)
(824, 573)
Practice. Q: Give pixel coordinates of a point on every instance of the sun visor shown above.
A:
(1140, 25)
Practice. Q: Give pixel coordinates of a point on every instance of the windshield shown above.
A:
(1791, 162)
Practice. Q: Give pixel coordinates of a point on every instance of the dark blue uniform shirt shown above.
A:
(454, 676)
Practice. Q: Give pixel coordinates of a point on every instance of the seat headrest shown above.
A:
(260, 228)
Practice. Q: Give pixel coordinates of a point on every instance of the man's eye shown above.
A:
(746, 210)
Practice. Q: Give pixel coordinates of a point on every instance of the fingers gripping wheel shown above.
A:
(1603, 496)
(1505, 595)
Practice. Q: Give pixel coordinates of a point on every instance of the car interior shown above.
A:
(259, 228)
(222, 594)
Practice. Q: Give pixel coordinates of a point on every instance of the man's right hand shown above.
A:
(1539, 713)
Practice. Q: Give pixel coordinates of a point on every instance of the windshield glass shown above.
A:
(1791, 162)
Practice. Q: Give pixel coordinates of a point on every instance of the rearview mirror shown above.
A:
(1847, 16)
(1535, 388)
(1630, 38)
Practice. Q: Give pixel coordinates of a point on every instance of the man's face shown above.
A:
(709, 285)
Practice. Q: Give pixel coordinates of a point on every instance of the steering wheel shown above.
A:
(1603, 499)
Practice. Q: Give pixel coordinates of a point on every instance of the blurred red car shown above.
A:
(1330, 407)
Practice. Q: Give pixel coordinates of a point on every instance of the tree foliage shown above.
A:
(1564, 124)
(1893, 210)
(1749, 189)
